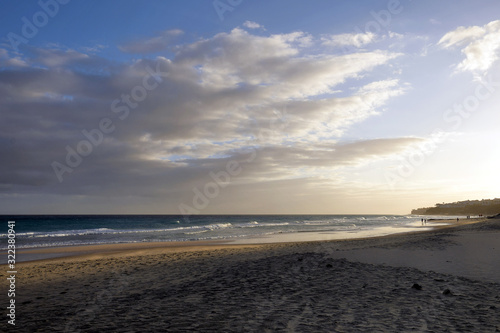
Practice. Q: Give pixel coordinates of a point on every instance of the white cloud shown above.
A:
(352, 39)
(461, 36)
(380, 85)
(229, 59)
(8, 61)
(395, 35)
(251, 25)
(480, 45)
(94, 49)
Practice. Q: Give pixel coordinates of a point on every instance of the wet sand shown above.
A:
(443, 280)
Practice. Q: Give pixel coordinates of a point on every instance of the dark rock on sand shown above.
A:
(447, 292)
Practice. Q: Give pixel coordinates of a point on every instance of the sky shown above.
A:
(247, 107)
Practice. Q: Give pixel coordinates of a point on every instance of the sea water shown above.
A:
(35, 231)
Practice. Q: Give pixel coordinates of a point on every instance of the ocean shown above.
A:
(66, 230)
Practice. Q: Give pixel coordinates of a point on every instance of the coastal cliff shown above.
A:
(469, 207)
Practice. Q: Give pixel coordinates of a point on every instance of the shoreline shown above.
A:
(80, 252)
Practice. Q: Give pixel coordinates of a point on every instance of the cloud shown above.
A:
(329, 154)
(59, 58)
(251, 25)
(225, 98)
(351, 39)
(461, 36)
(152, 45)
(94, 49)
(8, 61)
(228, 59)
(480, 45)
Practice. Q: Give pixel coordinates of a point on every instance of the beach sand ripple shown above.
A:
(301, 292)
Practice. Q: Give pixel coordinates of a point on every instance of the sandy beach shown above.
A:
(444, 280)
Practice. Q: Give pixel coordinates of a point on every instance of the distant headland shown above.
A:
(469, 207)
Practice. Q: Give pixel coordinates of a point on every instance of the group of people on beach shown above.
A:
(424, 221)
